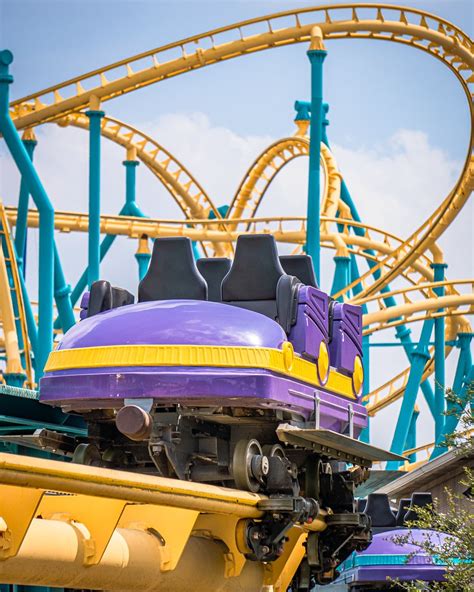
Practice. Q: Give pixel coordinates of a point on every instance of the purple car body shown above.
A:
(204, 323)
(388, 558)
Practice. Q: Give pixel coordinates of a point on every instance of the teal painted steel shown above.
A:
(341, 274)
(460, 389)
(440, 378)
(21, 230)
(62, 294)
(130, 208)
(46, 217)
(411, 437)
(143, 260)
(418, 360)
(313, 231)
(95, 119)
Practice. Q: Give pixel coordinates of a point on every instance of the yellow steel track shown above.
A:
(407, 26)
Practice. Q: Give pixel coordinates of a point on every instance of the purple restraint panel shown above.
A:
(186, 322)
(346, 342)
(311, 322)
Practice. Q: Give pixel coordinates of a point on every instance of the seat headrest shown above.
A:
(301, 266)
(255, 270)
(419, 499)
(172, 273)
(100, 298)
(378, 508)
(403, 506)
(213, 270)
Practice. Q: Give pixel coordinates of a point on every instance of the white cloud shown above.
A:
(395, 185)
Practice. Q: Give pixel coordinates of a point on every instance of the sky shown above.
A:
(399, 125)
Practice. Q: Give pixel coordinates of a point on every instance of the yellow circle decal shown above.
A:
(322, 363)
(288, 355)
(358, 376)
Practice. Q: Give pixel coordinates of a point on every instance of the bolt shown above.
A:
(265, 549)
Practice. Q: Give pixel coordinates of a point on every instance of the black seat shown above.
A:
(301, 266)
(418, 500)
(121, 297)
(213, 270)
(403, 506)
(103, 296)
(378, 508)
(172, 273)
(257, 281)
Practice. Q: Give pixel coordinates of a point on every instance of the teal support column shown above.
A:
(95, 118)
(62, 295)
(316, 55)
(341, 274)
(130, 165)
(419, 358)
(143, 257)
(46, 217)
(439, 373)
(411, 437)
(403, 334)
(453, 411)
(21, 230)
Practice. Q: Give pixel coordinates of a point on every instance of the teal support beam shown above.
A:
(46, 217)
(62, 295)
(461, 379)
(418, 360)
(143, 257)
(30, 318)
(341, 274)
(411, 437)
(21, 230)
(439, 373)
(130, 181)
(130, 208)
(316, 55)
(95, 119)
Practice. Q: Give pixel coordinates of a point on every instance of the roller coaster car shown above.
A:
(243, 374)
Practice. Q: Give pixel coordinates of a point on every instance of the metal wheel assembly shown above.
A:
(249, 465)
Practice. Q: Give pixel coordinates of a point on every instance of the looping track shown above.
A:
(394, 258)
(407, 26)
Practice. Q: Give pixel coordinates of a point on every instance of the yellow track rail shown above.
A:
(418, 277)
(69, 525)
(9, 321)
(407, 26)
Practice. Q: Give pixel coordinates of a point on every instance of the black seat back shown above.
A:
(213, 270)
(103, 296)
(419, 499)
(100, 298)
(301, 266)
(252, 280)
(403, 506)
(172, 273)
(378, 508)
(257, 281)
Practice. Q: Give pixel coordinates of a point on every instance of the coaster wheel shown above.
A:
(244, 452)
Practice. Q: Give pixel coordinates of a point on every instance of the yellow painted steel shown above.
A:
(436, 36)
(382, 242)
(274, 360)
(7, 315)
(187, 192)
(67, 525)
(408, 26)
